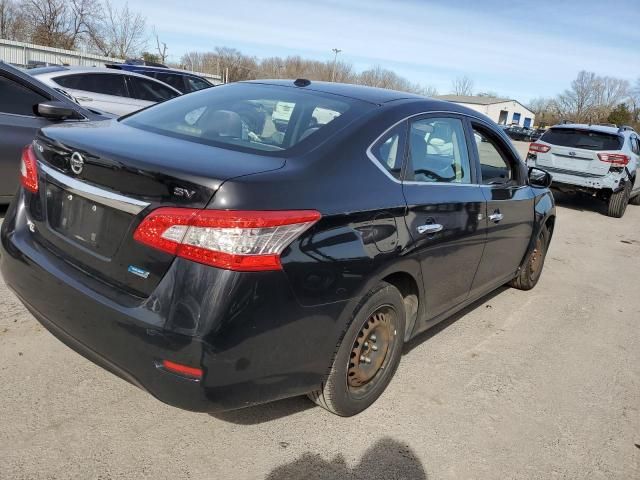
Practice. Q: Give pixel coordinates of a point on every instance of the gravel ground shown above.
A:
(540, 384)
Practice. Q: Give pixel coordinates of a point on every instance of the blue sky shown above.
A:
(519, 49)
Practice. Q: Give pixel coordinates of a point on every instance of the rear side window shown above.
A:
(103, 83)
(150, 91)
(17, 99)
(254, 117)
(438, 151)
(389, 151)
(586, 139)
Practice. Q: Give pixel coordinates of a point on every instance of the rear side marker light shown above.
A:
(183, 370)
(29, 169)
(539, 148)
(246, 241)
(614, 158)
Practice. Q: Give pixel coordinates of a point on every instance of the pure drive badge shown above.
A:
(138, 271)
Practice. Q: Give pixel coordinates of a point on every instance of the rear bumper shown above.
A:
(254, 342)
(605, 182)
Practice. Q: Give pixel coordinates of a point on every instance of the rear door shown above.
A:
(510, 208)
(104, 91)
(148, 91)
(444, 203)
(575, 151)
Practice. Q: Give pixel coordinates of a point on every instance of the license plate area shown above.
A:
(89, 224)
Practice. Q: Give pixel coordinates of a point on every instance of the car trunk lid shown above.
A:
(94, 192)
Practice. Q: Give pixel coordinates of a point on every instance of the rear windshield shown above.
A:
(587, 139)
(246, 116)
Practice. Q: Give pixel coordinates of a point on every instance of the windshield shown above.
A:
(248, 116)
(586, 139)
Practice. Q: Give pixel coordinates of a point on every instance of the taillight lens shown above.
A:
(614, 158)
(539, 148)
(29, 169)
(229, 239)
(184, 370)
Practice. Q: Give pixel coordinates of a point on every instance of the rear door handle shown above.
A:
(429, 228)
(496, 217)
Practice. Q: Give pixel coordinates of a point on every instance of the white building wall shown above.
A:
(493, 111)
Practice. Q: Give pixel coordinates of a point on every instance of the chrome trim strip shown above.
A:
(375, 161)
(95, 194)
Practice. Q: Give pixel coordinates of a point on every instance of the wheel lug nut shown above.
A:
(373, 338)
(366, 344)
(374, 348)
(365, 359)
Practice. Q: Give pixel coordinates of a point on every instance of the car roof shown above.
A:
(357, 92)
(593, 128)
(149, 68)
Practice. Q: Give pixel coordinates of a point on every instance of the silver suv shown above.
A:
(602, 161)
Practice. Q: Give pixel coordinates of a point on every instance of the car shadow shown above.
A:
(427, 334)
(267, 412)
(386, 459)
(580, 203)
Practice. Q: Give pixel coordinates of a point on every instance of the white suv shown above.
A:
(113, 91)
(602, 161)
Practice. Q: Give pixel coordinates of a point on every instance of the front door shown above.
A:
(18, 125)
(510, 209)
(444, 204)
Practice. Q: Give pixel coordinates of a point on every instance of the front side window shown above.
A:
(495, 167)
(438, 151)
(194, 84)
(150, 91)
(18, 99)
(249, 116)
(389, 152)
(103, 83)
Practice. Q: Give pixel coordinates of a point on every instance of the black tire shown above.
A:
(345, 391)
(618, 202)
(530, 273)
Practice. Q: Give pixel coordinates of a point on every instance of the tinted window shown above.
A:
(17, 99)
(196, 83)
(103, 83)
(438, 151)
(494, 167)
(635, 145)
(150, 91)
(389, 152)
(176, 81)
(248, 116)
(576, 138)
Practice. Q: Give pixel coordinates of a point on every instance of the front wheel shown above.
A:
(368, 355)
(530, 273)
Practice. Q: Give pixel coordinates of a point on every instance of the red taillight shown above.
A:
(29, 169)
(183, 370)
(229, 239)
(539, 148)
(614, 158)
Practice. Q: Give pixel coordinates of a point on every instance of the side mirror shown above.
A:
(55, 110)
(539, 177)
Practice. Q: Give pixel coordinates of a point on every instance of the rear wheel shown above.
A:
(618, 202)
(530, 273)
(368, 355)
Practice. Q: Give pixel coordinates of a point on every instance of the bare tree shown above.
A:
(13, 24)
(161, 47)
(462, 86)
(61, 23)
(120, 32)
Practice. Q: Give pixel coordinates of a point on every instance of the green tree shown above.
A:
(621, 115)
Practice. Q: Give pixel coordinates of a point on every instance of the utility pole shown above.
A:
(336, 51)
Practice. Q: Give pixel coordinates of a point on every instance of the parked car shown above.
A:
(598, 160)
(25, 106)
(182, 80)
(112, 91)
(218, 267)
(522, 134)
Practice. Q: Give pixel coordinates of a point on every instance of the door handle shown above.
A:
(496, 217)
(429, 228)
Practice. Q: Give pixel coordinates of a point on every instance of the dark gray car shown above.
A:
(26, 104)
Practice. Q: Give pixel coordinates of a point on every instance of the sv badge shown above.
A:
(183, 193)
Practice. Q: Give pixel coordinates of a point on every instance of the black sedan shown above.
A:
(217, 261)
(26, 105)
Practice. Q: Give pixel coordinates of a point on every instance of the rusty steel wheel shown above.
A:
(367, 355)
(371, 347)
(530, 272)
(535, 262)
